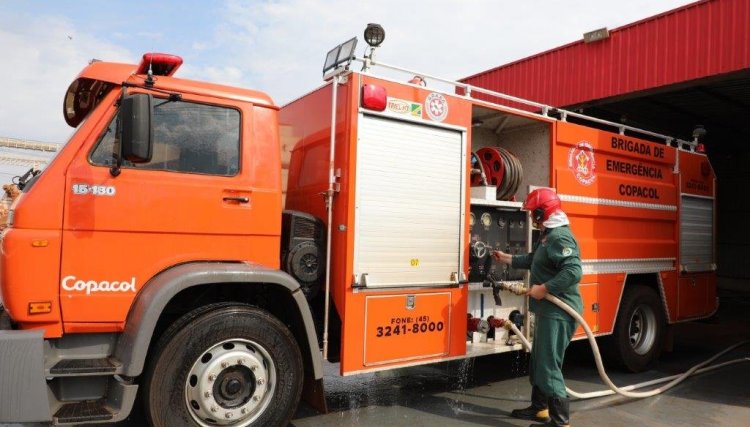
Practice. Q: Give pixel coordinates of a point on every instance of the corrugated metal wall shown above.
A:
(698, 40)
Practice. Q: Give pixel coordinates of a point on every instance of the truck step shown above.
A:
(73, 367)
(78, 412)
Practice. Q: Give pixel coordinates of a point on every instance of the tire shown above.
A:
(224, 364)
(637, 339)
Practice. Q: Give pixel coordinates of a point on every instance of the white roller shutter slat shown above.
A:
(696, 234)
(408, 203)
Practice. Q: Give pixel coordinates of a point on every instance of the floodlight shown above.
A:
(340, 55)
(331, 58)
(346, 53)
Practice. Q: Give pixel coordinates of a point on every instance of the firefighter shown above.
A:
(555, 266)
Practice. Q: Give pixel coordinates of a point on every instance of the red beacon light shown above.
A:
(374, 97)
(159, 64)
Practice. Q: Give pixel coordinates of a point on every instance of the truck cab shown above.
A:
(167, 197)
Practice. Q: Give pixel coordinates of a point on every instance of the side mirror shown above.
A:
(136, 113)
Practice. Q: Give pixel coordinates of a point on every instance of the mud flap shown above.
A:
(314, 394)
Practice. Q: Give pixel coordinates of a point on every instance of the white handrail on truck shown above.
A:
(546, 110)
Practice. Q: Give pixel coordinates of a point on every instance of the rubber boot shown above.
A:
(559, 413)
(538, 409)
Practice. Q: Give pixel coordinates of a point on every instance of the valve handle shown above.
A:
(480, 249)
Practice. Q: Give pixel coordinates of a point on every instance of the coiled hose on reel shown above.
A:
(499, 167)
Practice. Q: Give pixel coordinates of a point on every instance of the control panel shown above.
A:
(493, 228)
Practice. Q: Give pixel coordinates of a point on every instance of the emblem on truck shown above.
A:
(404, 107)
(72, 283)
(582, 163)
(436, 106)
(94, 190)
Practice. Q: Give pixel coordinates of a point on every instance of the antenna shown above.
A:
(150, 74)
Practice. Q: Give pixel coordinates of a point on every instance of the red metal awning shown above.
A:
(699, 40)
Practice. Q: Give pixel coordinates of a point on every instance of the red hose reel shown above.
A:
(501, 169)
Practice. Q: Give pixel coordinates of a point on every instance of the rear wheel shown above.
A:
(639, 331)
(224, 364)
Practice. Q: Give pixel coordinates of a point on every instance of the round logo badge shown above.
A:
(581, 162)
(436, 106)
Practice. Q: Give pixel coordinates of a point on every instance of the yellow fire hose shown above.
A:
(625, 391)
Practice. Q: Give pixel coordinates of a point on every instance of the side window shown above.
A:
(188, 137)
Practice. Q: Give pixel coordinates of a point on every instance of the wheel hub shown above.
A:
(231, 383)
(231, 387)
(642, 329)
(234, 386)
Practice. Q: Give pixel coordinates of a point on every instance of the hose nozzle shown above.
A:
(517, 288)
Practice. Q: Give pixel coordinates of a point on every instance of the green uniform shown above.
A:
(555, 262)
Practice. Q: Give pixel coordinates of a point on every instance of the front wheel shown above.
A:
(224, 364)
(639, 330)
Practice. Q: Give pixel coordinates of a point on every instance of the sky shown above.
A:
(276, 46)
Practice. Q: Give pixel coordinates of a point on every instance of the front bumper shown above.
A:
(23, 389)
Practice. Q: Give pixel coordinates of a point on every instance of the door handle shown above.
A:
(238, 199)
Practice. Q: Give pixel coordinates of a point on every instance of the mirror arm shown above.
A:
(116, 169)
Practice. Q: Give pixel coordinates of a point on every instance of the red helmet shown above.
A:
(542, 203)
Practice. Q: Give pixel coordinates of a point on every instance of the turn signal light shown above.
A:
(374, 97)
(42, 307)
(39, 243)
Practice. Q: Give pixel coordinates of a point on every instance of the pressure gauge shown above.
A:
(501, 222)
(472, 219)
(486, 219)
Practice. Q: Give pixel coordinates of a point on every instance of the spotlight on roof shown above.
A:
(699, 132)
(374, 35)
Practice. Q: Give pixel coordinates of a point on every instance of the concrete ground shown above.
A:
(482, 392)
